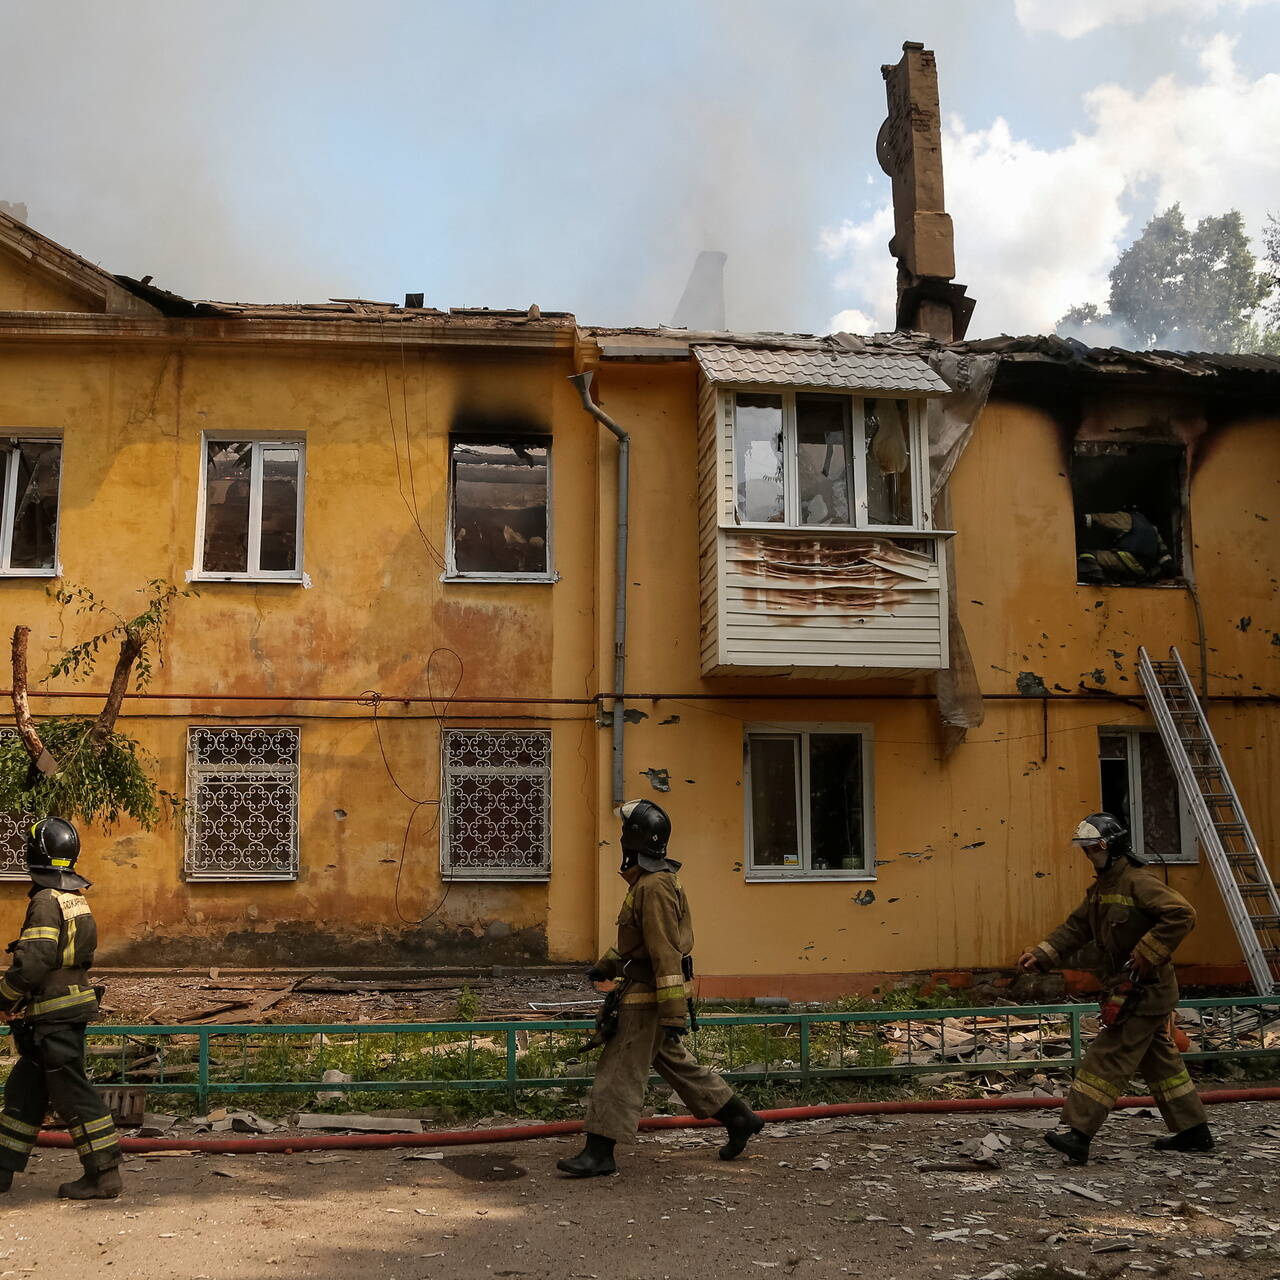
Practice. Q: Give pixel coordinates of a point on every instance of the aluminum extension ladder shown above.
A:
(1225, 836)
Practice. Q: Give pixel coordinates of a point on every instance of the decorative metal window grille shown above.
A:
(13, 837)
(497, 802)
(242, 784)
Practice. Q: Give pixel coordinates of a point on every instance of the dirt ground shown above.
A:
(825, 1198)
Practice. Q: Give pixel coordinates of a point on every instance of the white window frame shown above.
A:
(197, 771)
(259, 443)
(805, 873)
(9, 498)
(514, 874)
(451, 571)
(1190, 847)
(922, 515)
(13, 829)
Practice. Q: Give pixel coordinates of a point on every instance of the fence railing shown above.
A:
(210, 1061)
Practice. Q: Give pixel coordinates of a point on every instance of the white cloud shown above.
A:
(1037, 229)
(1077, 18)
(855, 321)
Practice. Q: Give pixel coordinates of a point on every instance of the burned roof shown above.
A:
(837, 369)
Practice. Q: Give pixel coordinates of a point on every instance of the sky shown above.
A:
(579, 155)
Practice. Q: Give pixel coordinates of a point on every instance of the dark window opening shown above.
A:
(1129, 513)
(500, 496)
(1140, 788)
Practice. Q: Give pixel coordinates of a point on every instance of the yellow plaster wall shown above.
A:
(23, 288)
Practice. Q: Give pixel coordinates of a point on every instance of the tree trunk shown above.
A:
(21, 706)
(130, 648)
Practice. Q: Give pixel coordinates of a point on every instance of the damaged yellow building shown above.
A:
(861, 673)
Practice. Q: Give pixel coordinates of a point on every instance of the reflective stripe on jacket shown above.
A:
(48, 979)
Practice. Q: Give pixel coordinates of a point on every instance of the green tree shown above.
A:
(1190, 289)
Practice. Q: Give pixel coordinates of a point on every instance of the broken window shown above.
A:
(252, 509)
(1141, 789)
(13, 833)
(1129, 512)
(242, 786)
(497, 804)
(809, 459)
(808, 804)
(499, 520)
(29, 471)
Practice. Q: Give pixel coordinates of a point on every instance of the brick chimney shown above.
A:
(909, 149)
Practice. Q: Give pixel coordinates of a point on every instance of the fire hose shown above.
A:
(517, 1133)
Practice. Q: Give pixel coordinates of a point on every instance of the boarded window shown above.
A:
(13, 833)
(242, 786)
(1140, 788)
(497, 804)
(1129, 512)
(252, 509)
(499, 522)
(29, 473)
(808, 811)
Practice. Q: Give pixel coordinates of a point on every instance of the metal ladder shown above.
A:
(1225, 835)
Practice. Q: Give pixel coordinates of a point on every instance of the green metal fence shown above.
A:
(210, 1061)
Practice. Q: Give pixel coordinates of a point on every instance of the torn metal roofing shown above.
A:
(832, 368)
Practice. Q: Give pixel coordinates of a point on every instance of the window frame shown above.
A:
(254, 552)
(1187, 838)
(8, 501)
(509, 875)
(14, 872)
(806, 874)
(451, 571)
(194, 772)
(922, 513)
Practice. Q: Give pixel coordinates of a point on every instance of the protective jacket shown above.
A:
(1123, 546)
(655, 935)
(48, 979)
(1126, 909)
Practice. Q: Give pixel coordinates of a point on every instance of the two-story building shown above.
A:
(391, 704)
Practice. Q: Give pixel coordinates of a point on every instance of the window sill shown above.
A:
(253, 579)
(805, 877)
(21, 574)
(500, 577)
(245, 877)
(495, 877)
(873, 530)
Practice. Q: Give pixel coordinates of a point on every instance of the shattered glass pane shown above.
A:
(228, 469)
(35, 509)
(835, 802)
(822, 436)
(757, 442)
(279, 547)
(500, 506)
(888, 432)
(775, 820)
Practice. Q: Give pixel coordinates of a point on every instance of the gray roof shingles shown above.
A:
(842, 371)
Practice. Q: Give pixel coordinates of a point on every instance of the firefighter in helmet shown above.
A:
(1135, 921)
(653, 965)
(46, 997)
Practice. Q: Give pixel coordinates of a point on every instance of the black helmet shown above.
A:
(53, 846)
(1098, 827)
(645, 832)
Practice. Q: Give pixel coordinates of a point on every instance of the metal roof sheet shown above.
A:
(838, 370)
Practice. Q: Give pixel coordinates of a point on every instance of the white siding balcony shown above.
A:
(818, 553)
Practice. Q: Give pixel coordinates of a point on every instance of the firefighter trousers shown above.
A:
(50, 1072)
(1144, 1045)
(640, 1045)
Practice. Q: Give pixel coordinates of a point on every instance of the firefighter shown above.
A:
(1122, 548)
(1135, 921)
(653, 965)
(47, 1001)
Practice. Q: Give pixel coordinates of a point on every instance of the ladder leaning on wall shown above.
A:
(1225, 836)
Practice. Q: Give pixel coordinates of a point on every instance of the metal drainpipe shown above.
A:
(582, 381)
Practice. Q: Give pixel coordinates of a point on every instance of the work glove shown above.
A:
(1029, 962)
(597, 974)
(1141, 967)
(671, 1035)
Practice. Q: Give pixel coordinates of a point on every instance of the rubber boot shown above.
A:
(742, 1124)
(6, 1180)
(97, 1184)
(1197, 1138)
(594, 1160)
(1071, 1142)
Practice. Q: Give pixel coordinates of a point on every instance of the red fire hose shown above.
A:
(516, 1133)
